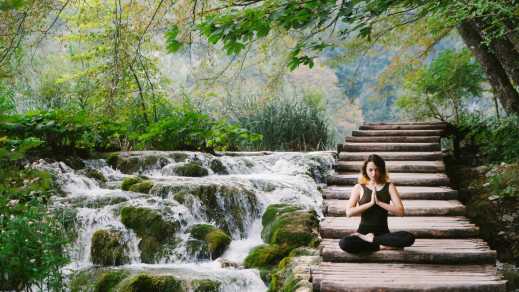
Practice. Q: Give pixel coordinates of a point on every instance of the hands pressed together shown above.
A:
(374, 200)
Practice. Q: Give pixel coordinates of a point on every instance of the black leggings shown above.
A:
(354, 244)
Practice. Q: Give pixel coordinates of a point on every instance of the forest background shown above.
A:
(80, 77)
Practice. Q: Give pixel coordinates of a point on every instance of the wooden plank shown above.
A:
(398, 178)
(396, 166)
(421, 227)
(393, 139)
(405, 277)
(398, 133)
(404, 127)
(406, 192)
(426, 251)
(404, 156)
(366, 147)
(334, 208)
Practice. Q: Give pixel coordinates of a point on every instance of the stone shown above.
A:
(217, 166)
(130, 181)
(108, 248)
(145, 283)
(191, 169)
(141, 187)
(216, 239)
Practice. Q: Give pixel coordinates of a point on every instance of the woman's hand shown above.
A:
(374, 199)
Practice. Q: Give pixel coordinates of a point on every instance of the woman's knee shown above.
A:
(408, 238)
(347, 244)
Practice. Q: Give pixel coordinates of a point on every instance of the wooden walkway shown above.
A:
(447, 254)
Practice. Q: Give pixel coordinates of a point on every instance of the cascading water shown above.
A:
(232, 196)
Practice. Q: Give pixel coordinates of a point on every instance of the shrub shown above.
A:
(286, 125)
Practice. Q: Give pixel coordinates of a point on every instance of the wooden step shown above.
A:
(390, 147)
(443, 124)
(425, 251)
(403, 156)
(421, 227)
(334, 208)
(393, 139)
(360, 277)
(406, 193)
(398, 133)
(398, 178)
(396, 166)
(404, 127)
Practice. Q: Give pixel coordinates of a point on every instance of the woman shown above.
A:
(370, 198)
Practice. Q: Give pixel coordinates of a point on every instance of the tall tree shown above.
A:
(237, 23)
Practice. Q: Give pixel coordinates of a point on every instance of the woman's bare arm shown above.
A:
(396, 208)
(351, 207)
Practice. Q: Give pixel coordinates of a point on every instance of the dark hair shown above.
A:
(380, 163)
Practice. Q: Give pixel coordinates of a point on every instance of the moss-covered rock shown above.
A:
(293, 273)
(266, 255)
(294, 229)
(216, 239)
(130, 181)
(147, 283)
(155, 232)
(106, 281)
(108, 248)
(94, 174)
(192, 169)
(141, 187)
(275, 210)
(217, 166)
(205, 285)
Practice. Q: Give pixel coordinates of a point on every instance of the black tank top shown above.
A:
(374, 219)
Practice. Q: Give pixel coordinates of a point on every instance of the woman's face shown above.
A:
(373, 171)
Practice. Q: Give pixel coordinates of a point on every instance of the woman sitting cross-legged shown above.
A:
(371, 198)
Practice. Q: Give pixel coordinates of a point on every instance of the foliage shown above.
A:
(440, 89)
(504, 183)
(496, 139)
(186, 128)
(287, 125)
(32, 239)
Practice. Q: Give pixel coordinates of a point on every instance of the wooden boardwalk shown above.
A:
(447, 254)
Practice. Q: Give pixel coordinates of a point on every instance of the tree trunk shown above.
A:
(505, 53)
(497, 76)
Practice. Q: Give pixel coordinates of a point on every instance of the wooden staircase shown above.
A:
(446, 256)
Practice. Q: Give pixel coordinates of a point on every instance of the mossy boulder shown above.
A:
(108, 248)
(215, 239)
(217, 166)
(266, 255)
(232, 209)
(155, 232)
(192, 169)
(275, 210)
(205, 285)
(130, 181)
(94, 174)
(293, 228)
(106, 281)
(293, 274)
(141, 187)
(136, 162)
(147, 283)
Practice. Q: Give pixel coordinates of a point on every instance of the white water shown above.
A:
(275, 178)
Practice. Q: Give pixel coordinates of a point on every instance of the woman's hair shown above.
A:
(381, 165)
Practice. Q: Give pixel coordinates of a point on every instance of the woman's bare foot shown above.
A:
(367, 237)
(391, 247)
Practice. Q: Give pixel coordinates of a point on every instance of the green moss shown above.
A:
(94, 174)
(206, 285)
(154, 231)
(303, 251)
(265, 255)
(108, 280)
(297, 228)
(216, 239)
(191, 169)
(107, 248)
(275, 210)
(217, 166)
(512, 278)
(129, 165)
(112, 160)
(83, 281)
(142, 187)
(130, 181)
(147, 283)
(180, 197)
(198, 249)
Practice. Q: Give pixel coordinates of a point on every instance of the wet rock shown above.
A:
(146, 283)
(215, 239)
(217, 166)
(141, 187)
(191, 169)
(108, 280)
(155, 232)
(108, 248)
(265, 256)
(130, 181)
(290, 227)
(93, 174)
(293, 274)
(224, 263)
(205, 285)
(134, 162)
